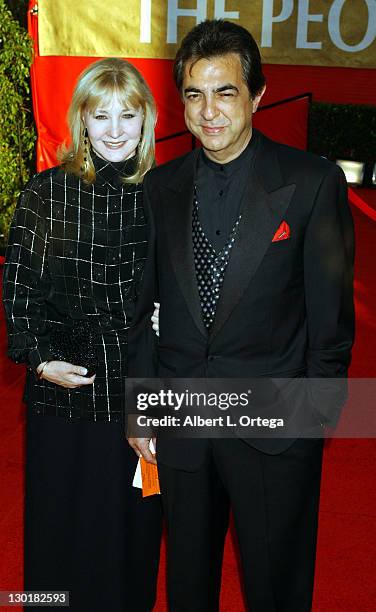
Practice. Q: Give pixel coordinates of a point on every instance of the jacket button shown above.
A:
(211, 358)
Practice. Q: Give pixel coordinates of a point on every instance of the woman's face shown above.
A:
(114, 131)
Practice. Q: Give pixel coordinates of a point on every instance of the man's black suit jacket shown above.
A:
(286, 307)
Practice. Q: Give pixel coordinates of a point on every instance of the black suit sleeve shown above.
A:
(142, 342)
(328, 277)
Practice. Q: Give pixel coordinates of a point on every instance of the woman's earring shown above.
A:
(85, 150)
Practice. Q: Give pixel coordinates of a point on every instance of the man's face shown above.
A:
(218, 106)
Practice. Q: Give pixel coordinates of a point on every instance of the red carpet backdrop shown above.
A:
(325, 47)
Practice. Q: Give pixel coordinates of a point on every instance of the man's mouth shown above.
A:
(212, 130)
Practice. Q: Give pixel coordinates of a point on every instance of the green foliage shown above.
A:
(343, 131)
(19, 10)
(17, 134)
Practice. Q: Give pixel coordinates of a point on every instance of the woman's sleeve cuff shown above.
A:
(39, 355)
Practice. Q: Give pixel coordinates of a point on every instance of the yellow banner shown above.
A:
(313, 32)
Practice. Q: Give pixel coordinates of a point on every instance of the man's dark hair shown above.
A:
(215, 37)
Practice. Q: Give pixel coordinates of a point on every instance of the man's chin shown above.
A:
(212, 144)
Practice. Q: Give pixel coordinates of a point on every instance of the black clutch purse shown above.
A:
(75, 344)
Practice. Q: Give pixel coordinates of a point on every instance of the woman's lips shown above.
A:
(113, 145)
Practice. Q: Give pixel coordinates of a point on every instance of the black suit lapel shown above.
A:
(267, 203)
(177, 213)
(261, 218)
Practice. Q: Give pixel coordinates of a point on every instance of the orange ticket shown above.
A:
(150, 481)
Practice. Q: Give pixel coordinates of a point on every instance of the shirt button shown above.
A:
(221, 192)
(218, 232)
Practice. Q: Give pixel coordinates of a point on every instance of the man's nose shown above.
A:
(209, 109)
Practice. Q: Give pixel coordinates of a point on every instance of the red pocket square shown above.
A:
(282, 233)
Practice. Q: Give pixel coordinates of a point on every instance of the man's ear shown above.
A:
(256, 100)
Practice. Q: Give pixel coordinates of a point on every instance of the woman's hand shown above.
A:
(155, 318)
(65, 374)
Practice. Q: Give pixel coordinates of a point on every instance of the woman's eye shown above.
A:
(100, 117)
(128, 116)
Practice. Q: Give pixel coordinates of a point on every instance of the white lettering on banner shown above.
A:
(304, 17)
(145, 21)
(268, 19)
(221, 13)
(174, 12)
(335, 31)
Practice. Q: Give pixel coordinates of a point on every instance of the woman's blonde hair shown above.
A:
(96, 86)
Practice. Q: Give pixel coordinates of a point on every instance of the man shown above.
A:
(251, 250)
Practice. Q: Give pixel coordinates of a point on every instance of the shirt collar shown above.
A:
(243, 160)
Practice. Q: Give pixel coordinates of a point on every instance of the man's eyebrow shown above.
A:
(217, 90)
(192, 89)
(226, 88)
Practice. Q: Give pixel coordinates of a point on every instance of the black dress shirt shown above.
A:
(220, 190)
(76, 251)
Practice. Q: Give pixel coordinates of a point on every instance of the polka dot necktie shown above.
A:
(210, 266)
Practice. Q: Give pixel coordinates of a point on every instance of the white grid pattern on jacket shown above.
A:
(75, 251)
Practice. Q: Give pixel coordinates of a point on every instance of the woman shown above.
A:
(73, 268)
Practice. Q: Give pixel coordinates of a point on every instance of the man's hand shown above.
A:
(155, 318)
(141, 448)
(65, 374)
